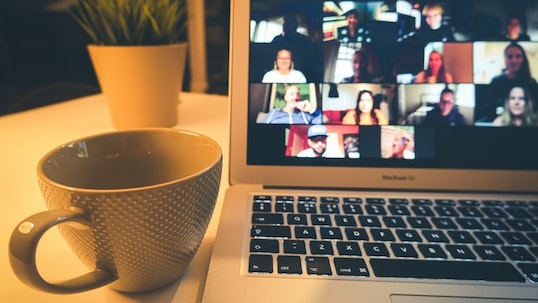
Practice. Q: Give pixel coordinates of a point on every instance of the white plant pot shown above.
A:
(141, 84)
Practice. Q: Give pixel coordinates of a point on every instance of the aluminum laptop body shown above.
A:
(458, 165)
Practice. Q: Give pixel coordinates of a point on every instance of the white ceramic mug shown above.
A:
(133, 205)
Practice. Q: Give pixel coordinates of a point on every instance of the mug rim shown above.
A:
(44, 178)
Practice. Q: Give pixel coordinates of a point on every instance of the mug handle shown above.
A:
(23, 246)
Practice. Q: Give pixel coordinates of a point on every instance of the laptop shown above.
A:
(413, 178)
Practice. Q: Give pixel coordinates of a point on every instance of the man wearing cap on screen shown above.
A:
(317, 142)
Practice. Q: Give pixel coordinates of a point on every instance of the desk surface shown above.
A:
(26, 136)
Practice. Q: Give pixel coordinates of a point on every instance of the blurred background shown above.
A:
(43, 56)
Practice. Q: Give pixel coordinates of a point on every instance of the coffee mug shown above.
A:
(133, 206)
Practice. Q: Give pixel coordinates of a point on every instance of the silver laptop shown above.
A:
(381, 151)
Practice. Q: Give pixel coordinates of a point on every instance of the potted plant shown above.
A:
(138, 56)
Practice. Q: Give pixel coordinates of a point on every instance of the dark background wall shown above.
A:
(43, 57)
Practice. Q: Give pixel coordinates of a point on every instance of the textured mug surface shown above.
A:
(144, 200)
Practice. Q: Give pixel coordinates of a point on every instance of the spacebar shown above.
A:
(453, 270)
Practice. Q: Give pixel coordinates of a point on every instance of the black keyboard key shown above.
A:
(403, 250)
(518, 213)
(330, 200)
(398, 201)
(434, 269)
(495, 224)
(444, 223)
(351, 267)
(489, 253)
(373, 249)
(289, 265)
(518, 253)
(261, 206)
(469, 223)
(332, 233)
(321, 248)
(422, 211)
(264, 246)
(270, 231)
(324, 220)
(285, 199)
(294, 247)
(353, 200)
(466, 202)
(422, 202)
(461, 237)
(297, 219)
(305, 232)
(488, 237)
(530, 270)
(382, 234)
(260, 264)
(494, 212)
(369, 221)
(394, 222)
(419, 222)
(435, 236)
(461, 252)
(262, 198)
(520, 225)
(399, 210)
(352, 209)
(327, 208)
(318, 266)
(348, 248)
(472, 212)
(307, 208)
(432, 251)
(515, 238)
(307, 199)
(378, 201)
(264, 218)
(344, 220)
(284, 207)
(446, 211)
(408, 235)
(375, 209)
(445, 202)
(356, 234)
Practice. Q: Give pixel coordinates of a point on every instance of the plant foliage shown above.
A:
(132, 22)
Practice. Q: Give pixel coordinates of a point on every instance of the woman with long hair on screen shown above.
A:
(517, 72)
(435, 73)
(365, 113)
(518, 109)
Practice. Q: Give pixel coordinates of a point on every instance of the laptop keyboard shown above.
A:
(352, 237)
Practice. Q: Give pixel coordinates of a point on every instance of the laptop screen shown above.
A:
(412, 84)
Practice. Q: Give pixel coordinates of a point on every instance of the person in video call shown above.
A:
(401, 147)
(434, 29)
(435, 73)
(317, 142)
(289, 33)
(516, 73)
(283, 71)
(359, 64)
(518, 109)
(445, 113)
(354, 31)
(296, 111)
(364, 113)
(514, 32)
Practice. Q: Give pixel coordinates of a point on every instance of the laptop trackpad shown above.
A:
(433, 299)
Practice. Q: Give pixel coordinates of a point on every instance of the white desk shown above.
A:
(26, 136)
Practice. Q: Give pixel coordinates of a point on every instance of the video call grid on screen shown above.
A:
(434, 80)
